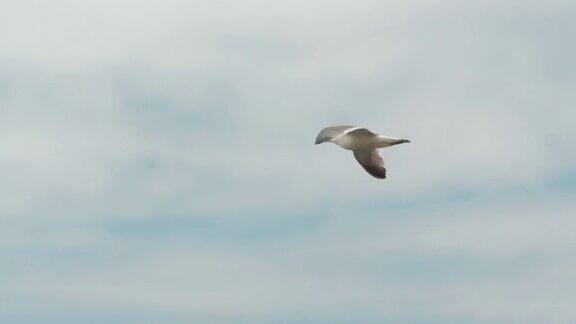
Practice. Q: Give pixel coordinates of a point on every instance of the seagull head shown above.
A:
(321, 138)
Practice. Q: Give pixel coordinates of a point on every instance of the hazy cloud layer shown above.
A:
(158, 161)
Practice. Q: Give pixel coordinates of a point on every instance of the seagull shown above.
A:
(363, 142)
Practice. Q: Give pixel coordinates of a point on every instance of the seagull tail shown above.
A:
(400, 141)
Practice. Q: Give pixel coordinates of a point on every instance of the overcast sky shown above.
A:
(157, 161)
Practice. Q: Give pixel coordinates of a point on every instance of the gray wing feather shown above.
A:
(361, 132)
(372, 162)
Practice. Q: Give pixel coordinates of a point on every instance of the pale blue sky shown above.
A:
(158, 163)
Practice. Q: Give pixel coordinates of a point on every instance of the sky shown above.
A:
(158, 162)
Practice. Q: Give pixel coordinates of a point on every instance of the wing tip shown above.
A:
(376, 172)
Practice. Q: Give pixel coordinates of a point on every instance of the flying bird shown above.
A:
(363, 143)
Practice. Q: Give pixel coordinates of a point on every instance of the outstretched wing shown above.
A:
(357, 131)
(372, 162)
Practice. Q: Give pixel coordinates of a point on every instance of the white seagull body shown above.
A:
(363, 143)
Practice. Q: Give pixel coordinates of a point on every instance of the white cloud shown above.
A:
(443, 263)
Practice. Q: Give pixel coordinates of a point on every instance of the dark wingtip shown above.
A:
(376, 172)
